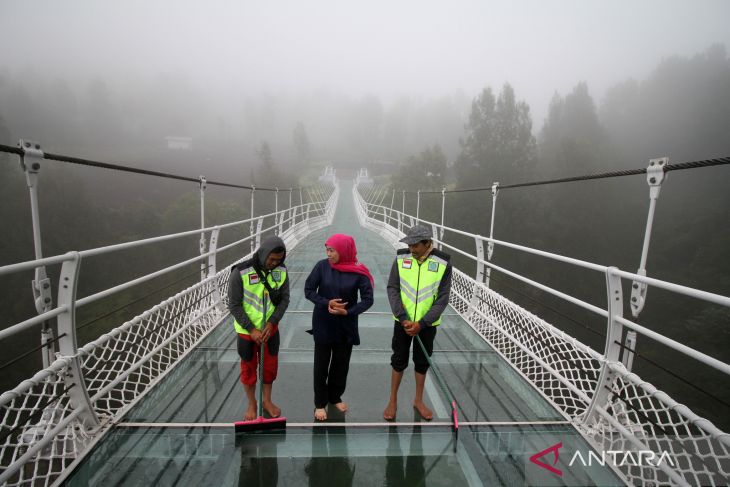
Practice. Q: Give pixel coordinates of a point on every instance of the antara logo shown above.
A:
(555, 450)
(619, 458)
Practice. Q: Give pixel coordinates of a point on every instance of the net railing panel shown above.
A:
(635, 416)
(42, 431)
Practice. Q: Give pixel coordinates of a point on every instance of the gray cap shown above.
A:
(417, 233)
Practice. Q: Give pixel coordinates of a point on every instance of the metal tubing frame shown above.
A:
(612, 351)
(443, 212)
(490, 245)
(30, 162)
(68, 346)
(203, 184)
(52, 313)
(654, 177)
(677, 288)
(276, 210)
(250, 228)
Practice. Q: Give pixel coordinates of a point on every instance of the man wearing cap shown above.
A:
(418, 292)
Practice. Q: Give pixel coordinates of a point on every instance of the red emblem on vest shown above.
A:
(407, 263)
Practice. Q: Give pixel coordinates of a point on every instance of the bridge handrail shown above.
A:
(609, 405)
(319, 208)
(77, 396)
(396, 215)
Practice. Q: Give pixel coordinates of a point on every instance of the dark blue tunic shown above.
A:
(325, 283)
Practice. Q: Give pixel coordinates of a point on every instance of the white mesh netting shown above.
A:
(635, 417)
(41, 431)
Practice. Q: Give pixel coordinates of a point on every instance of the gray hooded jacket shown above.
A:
(235, 286)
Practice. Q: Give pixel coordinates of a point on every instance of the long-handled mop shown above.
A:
(260, 423)
(454, 416)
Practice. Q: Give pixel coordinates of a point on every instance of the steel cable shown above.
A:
(673, 374)
(146, 172)
(627, 172)
(94, 320)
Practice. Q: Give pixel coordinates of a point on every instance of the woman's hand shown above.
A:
(337, 307)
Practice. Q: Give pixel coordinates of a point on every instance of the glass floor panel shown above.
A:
(337, 456)
(176, 449)
(205, 387)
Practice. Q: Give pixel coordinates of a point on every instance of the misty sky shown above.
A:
(386, 48)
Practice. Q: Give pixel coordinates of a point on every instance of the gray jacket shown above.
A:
(442, 296)
(235, 286)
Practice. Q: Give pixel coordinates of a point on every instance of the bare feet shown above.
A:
(425, 413)
(342, 406)
(271, 408)
(250, 412)
(320, 414)
(389, 413)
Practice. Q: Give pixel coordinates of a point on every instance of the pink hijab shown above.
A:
(345, 247)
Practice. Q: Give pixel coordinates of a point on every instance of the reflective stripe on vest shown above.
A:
(419, 284)
(253, 296)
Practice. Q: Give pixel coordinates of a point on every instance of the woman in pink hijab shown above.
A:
(333, 287)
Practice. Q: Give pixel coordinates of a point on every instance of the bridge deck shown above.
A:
(181, 432)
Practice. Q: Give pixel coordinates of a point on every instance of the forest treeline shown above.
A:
(681, 110)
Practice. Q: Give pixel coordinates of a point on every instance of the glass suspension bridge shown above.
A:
(153, 401)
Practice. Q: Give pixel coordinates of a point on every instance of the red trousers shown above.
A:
(249, 351)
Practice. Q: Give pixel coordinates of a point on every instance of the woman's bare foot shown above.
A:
(342, 406)
(271, 408)
(389, 413)
(425, 413)
(250, 412)
(320, 414)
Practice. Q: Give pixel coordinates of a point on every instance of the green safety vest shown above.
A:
(419, 283)
(253, 296)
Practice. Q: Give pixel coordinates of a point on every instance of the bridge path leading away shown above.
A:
(181, 434)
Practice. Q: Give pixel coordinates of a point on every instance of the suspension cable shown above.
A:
(142, 298)
(31, 351)
(673, 374)
(621, 394)
(41, 409)
(117, 167)
(659, 366)
(149, 333)
(628, 172)
(554, 310)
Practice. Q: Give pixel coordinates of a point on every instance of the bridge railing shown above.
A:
(612, 407)
(50, 420)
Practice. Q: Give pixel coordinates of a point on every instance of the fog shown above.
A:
(223, 51)
(456, 94)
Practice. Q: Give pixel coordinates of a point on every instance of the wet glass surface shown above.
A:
(336, 456)
(205, 388)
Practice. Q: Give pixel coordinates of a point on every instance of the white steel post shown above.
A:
(443, 212)
(614, 330)
(291, 221)
(30, 162)
(490, 244)
(654, 177)
(213, 249)
(250, 228)
(278, 217)
(203, 184)
(418, 204)
(68, 347)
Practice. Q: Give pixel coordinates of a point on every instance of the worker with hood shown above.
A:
(258, 295)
